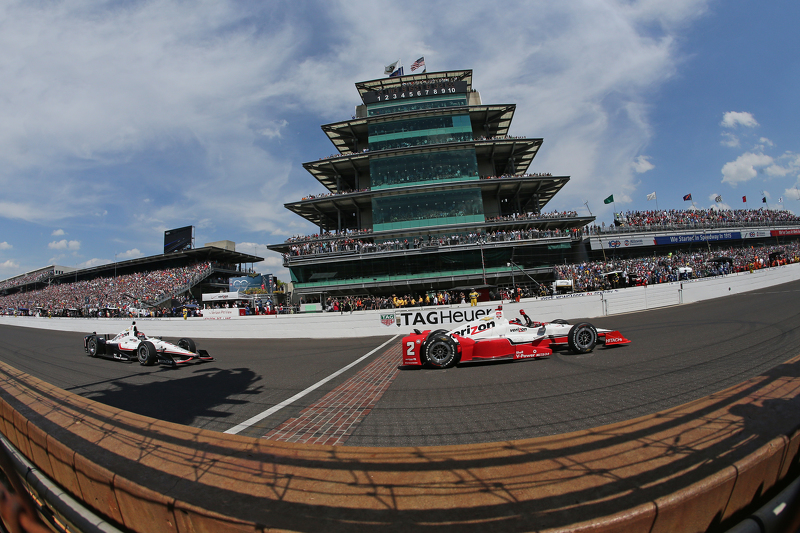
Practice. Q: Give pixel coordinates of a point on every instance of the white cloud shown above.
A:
(94, 262)
(65, 245)
(744, 168)
(9, 265)
(764, 140)
(130, 254)
(731, 119)
(642, 164)
(5, 246)
(101, 100)
(777, 170)
(729, 139)
(57, 233)
(791, 194)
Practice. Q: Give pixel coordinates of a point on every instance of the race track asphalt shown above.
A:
(677, 354)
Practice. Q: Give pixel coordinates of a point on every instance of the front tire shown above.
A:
(442, 352)
(187, 344)
(582, 338)
(146, 353)
(423, 352)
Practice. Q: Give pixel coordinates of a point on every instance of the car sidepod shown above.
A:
(473, 350)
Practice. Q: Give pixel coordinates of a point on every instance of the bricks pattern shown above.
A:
(336, 415)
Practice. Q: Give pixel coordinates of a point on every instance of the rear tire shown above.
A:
(91, 346)
(442, 352)
(146, 353)
(582, 338)
(187, 344)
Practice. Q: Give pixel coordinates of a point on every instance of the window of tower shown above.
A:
(419, 132)
(427, 209)
(403, 170)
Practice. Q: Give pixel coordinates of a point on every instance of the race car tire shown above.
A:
(582, 338)
(424, 348)
(91, 346)
(187, 344)
(146, 353)
(442, 352)
(559, 321)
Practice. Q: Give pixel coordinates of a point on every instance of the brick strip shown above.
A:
(336, 415)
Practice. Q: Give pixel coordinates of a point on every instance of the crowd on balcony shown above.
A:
(328, 194)
(613, 273)
(534, 175)
(432, 140)
(533, 216)
(679, 218)
(362, 246)
(121, 294)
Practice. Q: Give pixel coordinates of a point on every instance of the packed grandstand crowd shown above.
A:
(132, 291)
(345, 240)
(599, 275)
(685, 217)
(370, 246)
(122, 293)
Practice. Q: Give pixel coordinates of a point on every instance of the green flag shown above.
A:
(609, 199)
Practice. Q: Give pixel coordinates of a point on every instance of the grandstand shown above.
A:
(428, 192)
(158, 281)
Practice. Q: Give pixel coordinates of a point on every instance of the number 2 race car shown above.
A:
(495, 337)
(131, 344)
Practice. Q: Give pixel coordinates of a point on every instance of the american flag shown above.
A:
(418, 63)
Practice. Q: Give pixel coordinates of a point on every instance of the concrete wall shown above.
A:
(370, 323)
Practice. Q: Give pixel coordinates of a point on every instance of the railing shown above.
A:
(597, 230)
(372, 248)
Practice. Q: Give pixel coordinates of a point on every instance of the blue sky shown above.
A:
(123, 119)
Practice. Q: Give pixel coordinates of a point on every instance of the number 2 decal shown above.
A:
(410, 348)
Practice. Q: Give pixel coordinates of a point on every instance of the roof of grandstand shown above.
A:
(206, 253)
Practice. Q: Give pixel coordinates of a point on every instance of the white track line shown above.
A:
(261, 416)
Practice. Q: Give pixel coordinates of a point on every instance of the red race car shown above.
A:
(496, 337)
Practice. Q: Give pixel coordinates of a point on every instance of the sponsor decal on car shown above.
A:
(468, 331)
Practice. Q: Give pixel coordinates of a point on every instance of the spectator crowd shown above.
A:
(123, 293)
(600, 275)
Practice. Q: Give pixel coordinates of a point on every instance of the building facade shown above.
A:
(427, 191)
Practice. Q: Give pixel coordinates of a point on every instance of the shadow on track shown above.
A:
(182, 399)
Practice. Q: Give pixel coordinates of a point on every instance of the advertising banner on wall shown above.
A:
(782, 232)
(615, 243)
(699, 237)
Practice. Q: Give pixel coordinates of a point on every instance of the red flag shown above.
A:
(744, 199)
